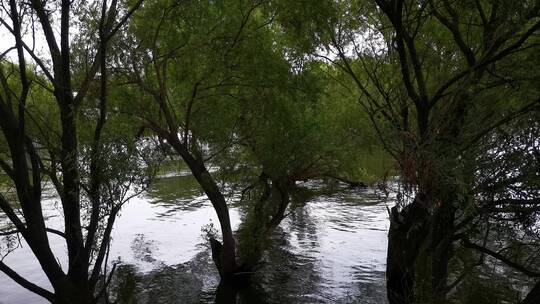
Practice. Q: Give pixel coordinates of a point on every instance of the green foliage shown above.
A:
(226, 75)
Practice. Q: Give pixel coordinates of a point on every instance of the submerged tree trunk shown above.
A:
(226, 293)
(68, 293)
(262, 219)
(225, 256)
(408, 229)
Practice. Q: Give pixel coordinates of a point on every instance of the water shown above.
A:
(330, 250)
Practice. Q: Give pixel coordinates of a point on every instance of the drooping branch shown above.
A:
(53, 231)
(25, 283)
(500, 257)
(485, 60)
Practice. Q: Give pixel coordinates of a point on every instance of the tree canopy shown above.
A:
(271, 93)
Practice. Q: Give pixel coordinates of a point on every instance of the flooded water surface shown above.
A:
(331, 249)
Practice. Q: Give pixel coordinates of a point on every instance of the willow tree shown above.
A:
(442, 82)
(451, 57)
(211, 80)
(42, 94)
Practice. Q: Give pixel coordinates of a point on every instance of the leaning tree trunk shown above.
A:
(224, 255)
(408, 229)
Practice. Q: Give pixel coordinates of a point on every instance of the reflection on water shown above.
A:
(330, 250)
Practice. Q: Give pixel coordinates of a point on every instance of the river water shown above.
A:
(332, 249)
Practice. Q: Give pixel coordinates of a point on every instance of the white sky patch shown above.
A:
(366, 42)
(33, 37)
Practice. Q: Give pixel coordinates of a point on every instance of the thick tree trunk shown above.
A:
(281, 187)
(408, 229)
(441, 250)
(70, 198)
(261, 221)
(67, 293)
(226, 294)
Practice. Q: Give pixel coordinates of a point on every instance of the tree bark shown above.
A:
(408, 229)
(261, 221)
(68, 293)
(441, 250)
(27, 166)
(226, 294)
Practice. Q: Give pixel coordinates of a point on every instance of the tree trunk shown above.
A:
(441, 250)
(68, 293)
(226, 294)
(224, 255)
(261, 221)
(408, 229)
(225, 259)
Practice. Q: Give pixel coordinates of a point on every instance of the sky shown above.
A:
(40, 47)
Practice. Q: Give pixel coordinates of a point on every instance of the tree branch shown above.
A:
(25, 283)
(500, 257)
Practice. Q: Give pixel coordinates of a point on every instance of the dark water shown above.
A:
(330, 250)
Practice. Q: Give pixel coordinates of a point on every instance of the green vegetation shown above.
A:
(439, 98)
